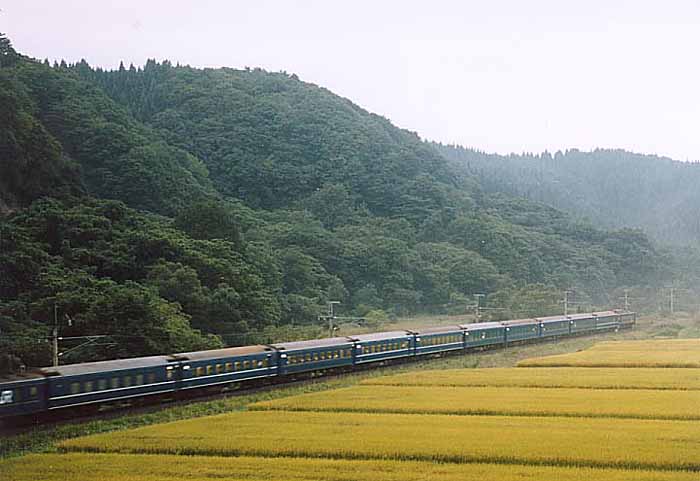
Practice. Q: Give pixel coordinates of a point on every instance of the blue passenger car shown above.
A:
(627, 319)
(521, 329)
(381, 346)
(106, 381)
(607, 320)
(483, 334)
(22, 394)
(582, 323)
(439, 339)
(223, 366)
(553, 326)
(317, 354)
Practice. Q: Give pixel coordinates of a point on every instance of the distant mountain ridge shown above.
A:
(610, 188)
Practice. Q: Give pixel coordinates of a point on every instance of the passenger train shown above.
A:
(98, 383)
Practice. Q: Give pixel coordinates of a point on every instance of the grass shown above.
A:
(557, 377)
(115, 467)
(583, 442)
(679, 353)
(503, 401)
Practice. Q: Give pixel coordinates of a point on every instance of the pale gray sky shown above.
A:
(498, 75)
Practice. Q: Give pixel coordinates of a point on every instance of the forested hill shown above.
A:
(610, 188)
(175, 208)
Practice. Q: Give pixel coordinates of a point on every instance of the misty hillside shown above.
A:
(610, 188)
(176, 208)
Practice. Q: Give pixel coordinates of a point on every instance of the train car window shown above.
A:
(246, 364)
(229, 366)
(114, 382)
(210, 369)
(101, 384)
(33, 392)
(199, 371)
(322, 356)
(336, 354)
(88, 386)
(126, 381)
(74, 387)
(219, 368)
(265, 362)
(315, 356)
(151, 378)
(139, 379)
(237, 365)
(18, 395)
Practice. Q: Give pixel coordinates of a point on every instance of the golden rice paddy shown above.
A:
(614, 422)
(588, 442)
(557, 377)
(679, 353)
(504, 401)
(127, 467)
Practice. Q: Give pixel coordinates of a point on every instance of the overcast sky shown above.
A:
(498, 75)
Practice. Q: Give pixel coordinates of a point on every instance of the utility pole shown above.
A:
(672, 306)
(478, 305)
(566, 301)
(331, 317)
(54, 335)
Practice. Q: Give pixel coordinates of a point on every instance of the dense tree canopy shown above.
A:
(174, 208)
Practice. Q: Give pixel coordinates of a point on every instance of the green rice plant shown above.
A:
(125, 467)
(589, 442)
(506, 401)
(557, 377)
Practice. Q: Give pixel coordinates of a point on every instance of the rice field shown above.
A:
(654, 345)
(121, 467)
(555, 441)
(558, 377)
(667, 353)
(682, 353)
(503, 401)
(613, 422)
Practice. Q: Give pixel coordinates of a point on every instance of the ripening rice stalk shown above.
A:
(626, 358)
(591, 442)
(126, 467)
(559, 377)
(683, 353)
(647, 345)
(506, 401)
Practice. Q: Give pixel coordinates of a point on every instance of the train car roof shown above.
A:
(380, 336)
(220, 353)
(436, 329)
(606, 313)
(560, 317)
(481, 325)
(519, 322)
(19, 377)
(586, 315)
(105, 366)
(294, 345)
